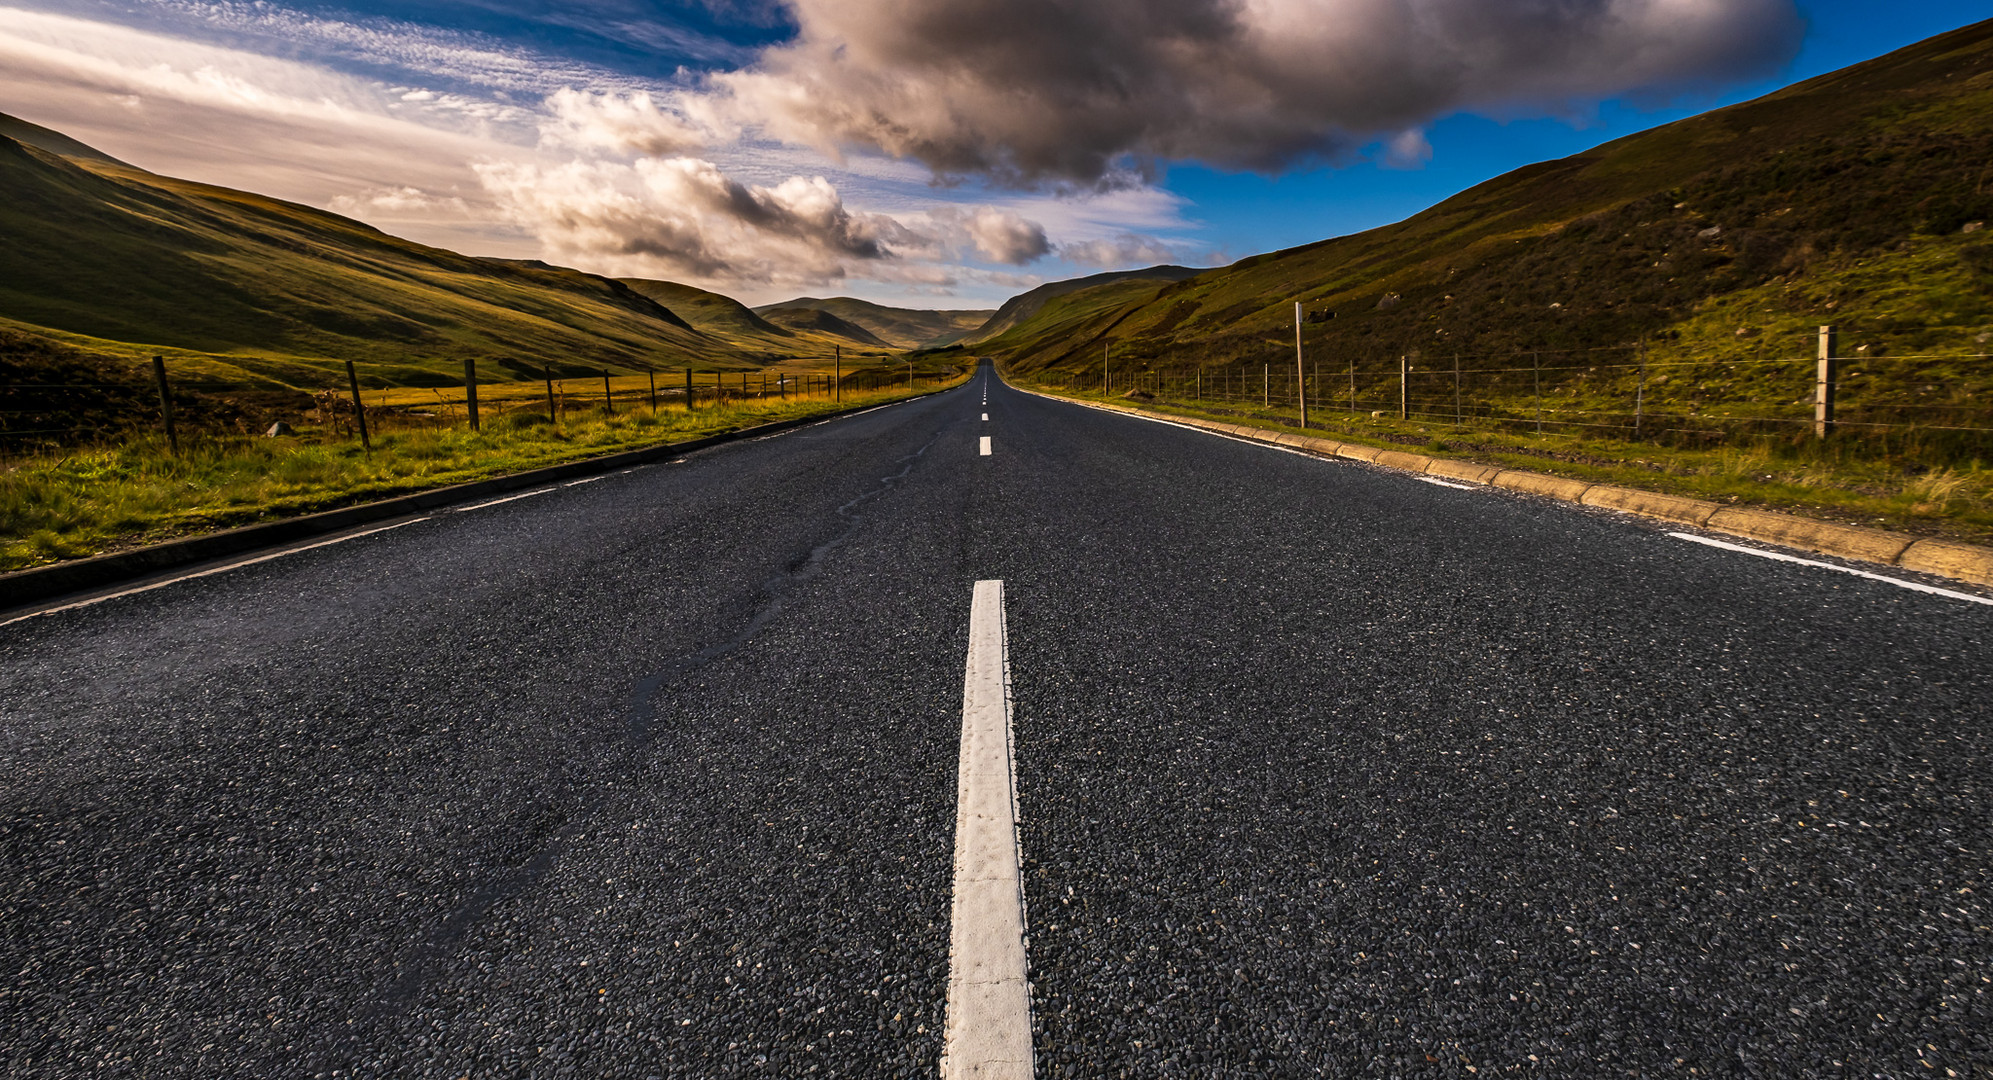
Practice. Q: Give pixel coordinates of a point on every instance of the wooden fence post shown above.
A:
(1823, 387)
(166, 402)
(1457, 418)
(652, 372)
(1404, 387)
(547, 372)
(1300, 369)
(688, 389)
(608, 400)
(359, 407)
(1640, 393)
(470, 391)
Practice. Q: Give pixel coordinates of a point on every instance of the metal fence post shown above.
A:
(470, 392)
(1823, 388)
(359, 407)
(166, 402)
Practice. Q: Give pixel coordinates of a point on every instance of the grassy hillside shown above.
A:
(114, 261)
(1020, 308)
(899, 328)
(819, 321)
(1850, 199)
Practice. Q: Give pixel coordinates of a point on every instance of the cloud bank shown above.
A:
(1097, 92)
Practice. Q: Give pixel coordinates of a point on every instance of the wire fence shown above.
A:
(37, 414)
(1801, 388)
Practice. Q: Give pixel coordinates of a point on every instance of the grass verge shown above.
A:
(89, 501)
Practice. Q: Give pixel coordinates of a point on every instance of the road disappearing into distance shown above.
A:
(1318, 770)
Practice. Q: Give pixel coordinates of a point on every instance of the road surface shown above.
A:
(1319, 770)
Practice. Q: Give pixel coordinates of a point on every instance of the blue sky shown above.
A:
(930, 153)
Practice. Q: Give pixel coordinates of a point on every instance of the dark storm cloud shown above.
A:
(1079, 92)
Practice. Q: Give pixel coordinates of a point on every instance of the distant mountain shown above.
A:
(823, 322)
(709, 312)
(1862, 197)
(902, 328)
(1024, 305)
(122, 262)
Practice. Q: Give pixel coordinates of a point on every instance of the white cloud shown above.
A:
(1125, 251)
(633, 123)
(1006, 237)
(684, 218)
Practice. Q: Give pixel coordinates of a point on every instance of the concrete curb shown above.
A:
(24, 587)
(1961, 562)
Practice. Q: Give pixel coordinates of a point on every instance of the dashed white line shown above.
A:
(1914, 586)
(986, 446)
(986, 416)
(209, 571)
(988, 1032)
(1445, 483)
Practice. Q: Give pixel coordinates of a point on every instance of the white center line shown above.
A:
(1776, 556)
(989, 997)
(986, 446)
(210, 571)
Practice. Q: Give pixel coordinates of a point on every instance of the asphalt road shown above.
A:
(1322, 770)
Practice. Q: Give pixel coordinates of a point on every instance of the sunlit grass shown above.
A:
(85, 501)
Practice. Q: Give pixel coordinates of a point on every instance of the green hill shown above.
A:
(112, 261)
(1023, 306)
(900, 328)
(1851, 198)
(817, 320)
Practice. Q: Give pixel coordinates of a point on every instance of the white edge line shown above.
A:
(1190, 427)
(1911, 585)
(507, 499)
(209, 571)
(1914, 586)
